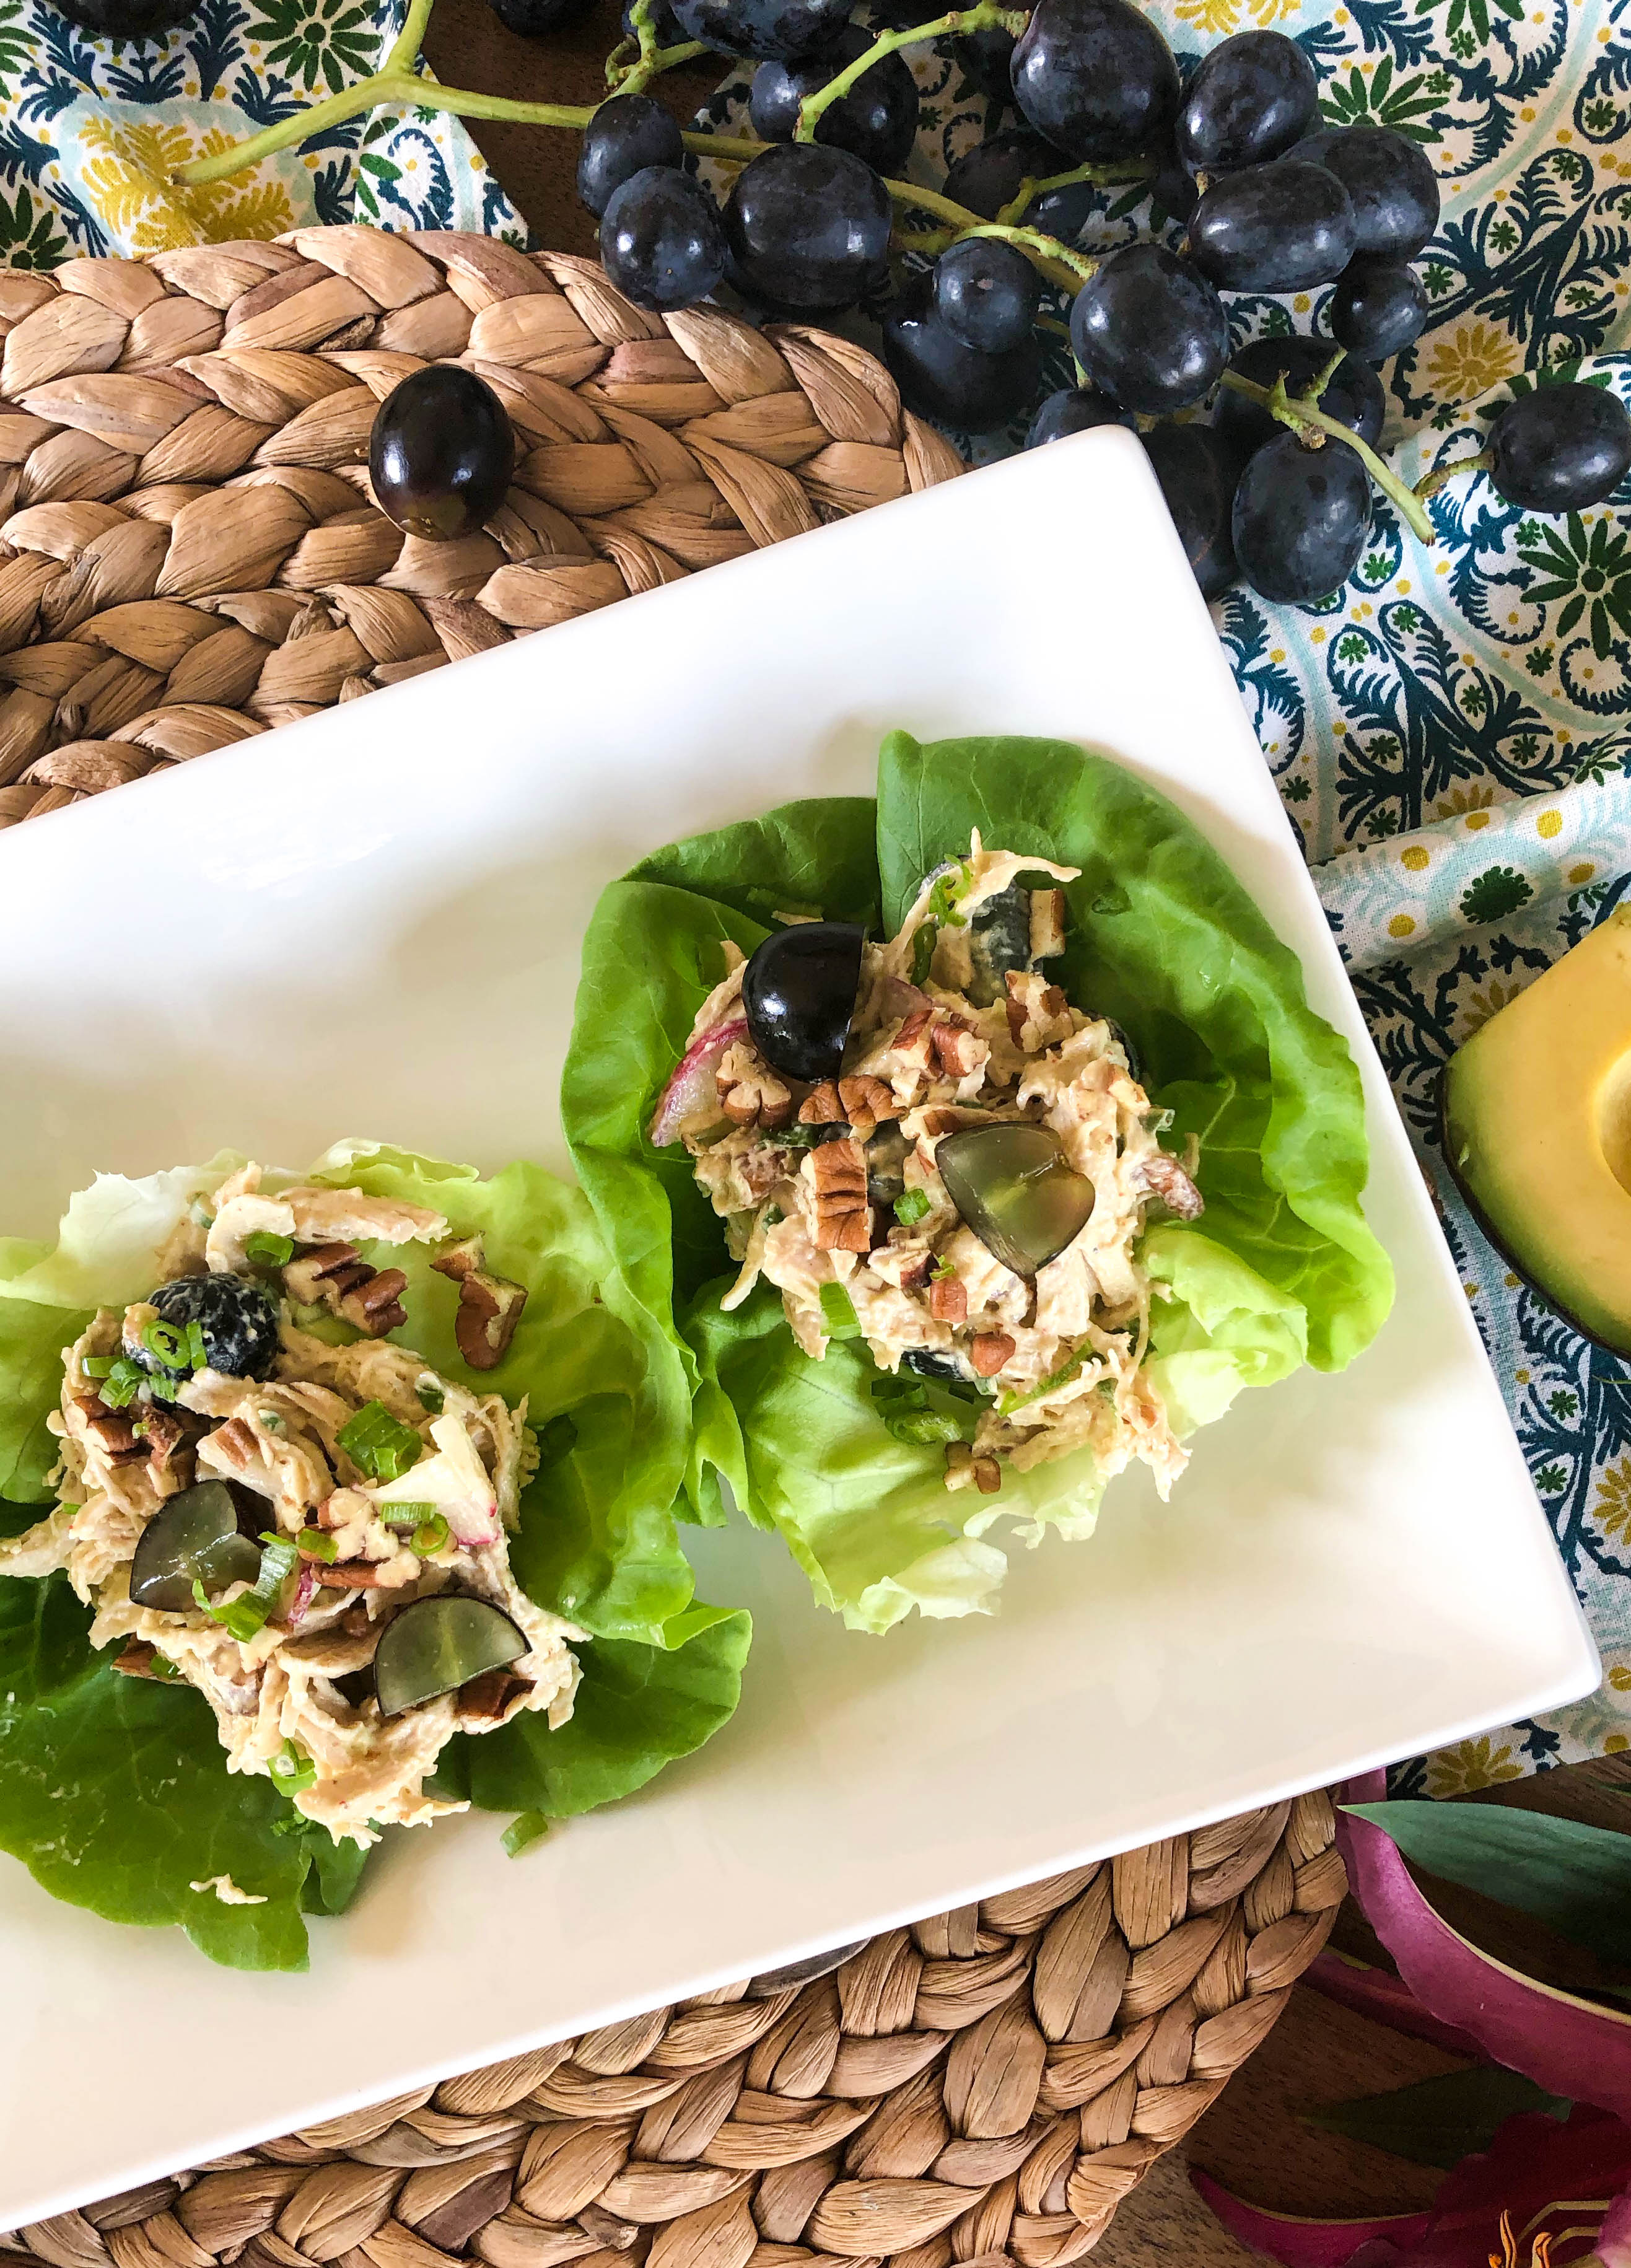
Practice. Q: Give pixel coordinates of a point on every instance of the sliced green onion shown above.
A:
(122, 1383)
(405, 1514)
(837, 1313)
(379, 1445)
(197, 1354)
(162, 1386)
(1008, 1404)
(522, 1833)
(911, 1208)
(429, 1537)
(162, 1667)
(923, 943)
(271, 1420)
(243, 1617)
(271, 1250)
(943, 1268)
(556, 1440)
(165, 1343)
(96, 1366)
(432, 1401)
(314, 1544)
(291, 1771)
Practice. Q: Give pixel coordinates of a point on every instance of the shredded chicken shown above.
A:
(956, 1025)
(293, 1699)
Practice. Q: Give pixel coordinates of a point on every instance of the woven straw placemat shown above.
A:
(982, 2088)
(187, 552)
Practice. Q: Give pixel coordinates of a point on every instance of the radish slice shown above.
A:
(692, 1084)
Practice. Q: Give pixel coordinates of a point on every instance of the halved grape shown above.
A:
(1012, 1186)
(798, 994)
(438, 1645)
(236, 1320)
(193, 1536)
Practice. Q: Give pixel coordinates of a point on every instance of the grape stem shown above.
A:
(1305, 417)
(650, 58)
(1431, 483)
(986, 16)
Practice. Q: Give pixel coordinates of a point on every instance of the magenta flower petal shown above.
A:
(1387, 1999)
(1613, 2245)
(1568, 2045)
(1301, 2243)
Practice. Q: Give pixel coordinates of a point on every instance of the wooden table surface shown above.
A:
(1252, 2139)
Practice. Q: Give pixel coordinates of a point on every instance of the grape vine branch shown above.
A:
(403, 80)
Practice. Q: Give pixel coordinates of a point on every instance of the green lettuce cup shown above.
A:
(115, 1791)
(1282, 1271)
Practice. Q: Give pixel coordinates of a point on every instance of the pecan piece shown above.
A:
(336, 1277)
(1165, 1178)
(375, 1305)
(823, 1106)
(1028, 1003)
(750, 1094)
(948, 1299)
(356, 1575)
(867, 1102)
(489, 1309)
(957, 1050)
(136, 1659)
(460, 1260)
(843, 1217)
(990, 1352)
(1047, 924)
(237, 1444)
(965, 1469)
(489, 1696)
(114, 1433)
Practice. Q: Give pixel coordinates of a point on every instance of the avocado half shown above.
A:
(1535, 1119)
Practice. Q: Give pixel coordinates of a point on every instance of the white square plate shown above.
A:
(372, 928)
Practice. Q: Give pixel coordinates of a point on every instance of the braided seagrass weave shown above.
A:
(984, 2088)
(187, 551)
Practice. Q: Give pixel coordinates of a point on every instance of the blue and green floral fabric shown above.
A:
(1448, 734)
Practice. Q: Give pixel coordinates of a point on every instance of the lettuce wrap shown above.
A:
(115, 1791)
(1162, 937)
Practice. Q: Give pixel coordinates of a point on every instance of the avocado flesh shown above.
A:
(1537, 1132)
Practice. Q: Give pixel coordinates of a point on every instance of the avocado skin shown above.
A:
(1547, 1298)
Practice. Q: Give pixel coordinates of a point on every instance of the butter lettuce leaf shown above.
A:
(115, 1791)
(1282, 1271)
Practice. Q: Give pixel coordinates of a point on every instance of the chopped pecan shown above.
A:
(114, 1433)
(912, 1029)
(136, 1659)
(965, 1469)
(356, 1575)
(376, 1305)
(1027, 1004)
(1165, 1178)
(489, 1696)
(336, 1277)
(237, 1444)
(867, 1102)
(460, 1260)
(843, 1215)
(957, 1050)
(750, 1094)
(948, 1299)
(166, 1435)
(762, 1167)
(823, 1106)
(987, 1353)
(1047, 924)
(489, 1309)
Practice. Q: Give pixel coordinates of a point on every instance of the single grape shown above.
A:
(1284, 227)
(1560, 448)
(1075, 409)
(1198, 474)
(941, 377)
(876, 121)
(1149, 331)
(1064, 212)
(1390, 182)
(625, 136)
(441, 453)
(661, 241)
(1300, 519)
(1377, 310)
(787, 28)
(987, 56)
(1250, 100)
(534, 20)
(808, 227)
(1354, 396)
(127, 20)
(1096, 77)
(987, 293)
(990, 175)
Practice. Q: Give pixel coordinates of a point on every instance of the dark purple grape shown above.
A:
(1064, 212)
(1390, 185)
(1560, 448)
(1376, 310)
(441, 453)
(1300, 519)
(941, 377)
(534, 20)
(989, 176)
(1198, 474)
(1096, 77)
(1075, 409)
(798, 994)
(788, 29)
(237, 1317)
(661, 241)
(127, 20)
(808, 227)
(625, 136)
(1354, 396)
(987, 56)
(1149, 331)
(876, 121)
(1250, 100)
(987, 294)
(1284, 227)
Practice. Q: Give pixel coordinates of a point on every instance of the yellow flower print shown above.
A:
(1482, 1005)
(1470, 1764)
(127, 174)
(1479, 356)
(1218, 17)
(1462, 799)
(1613, 1508)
